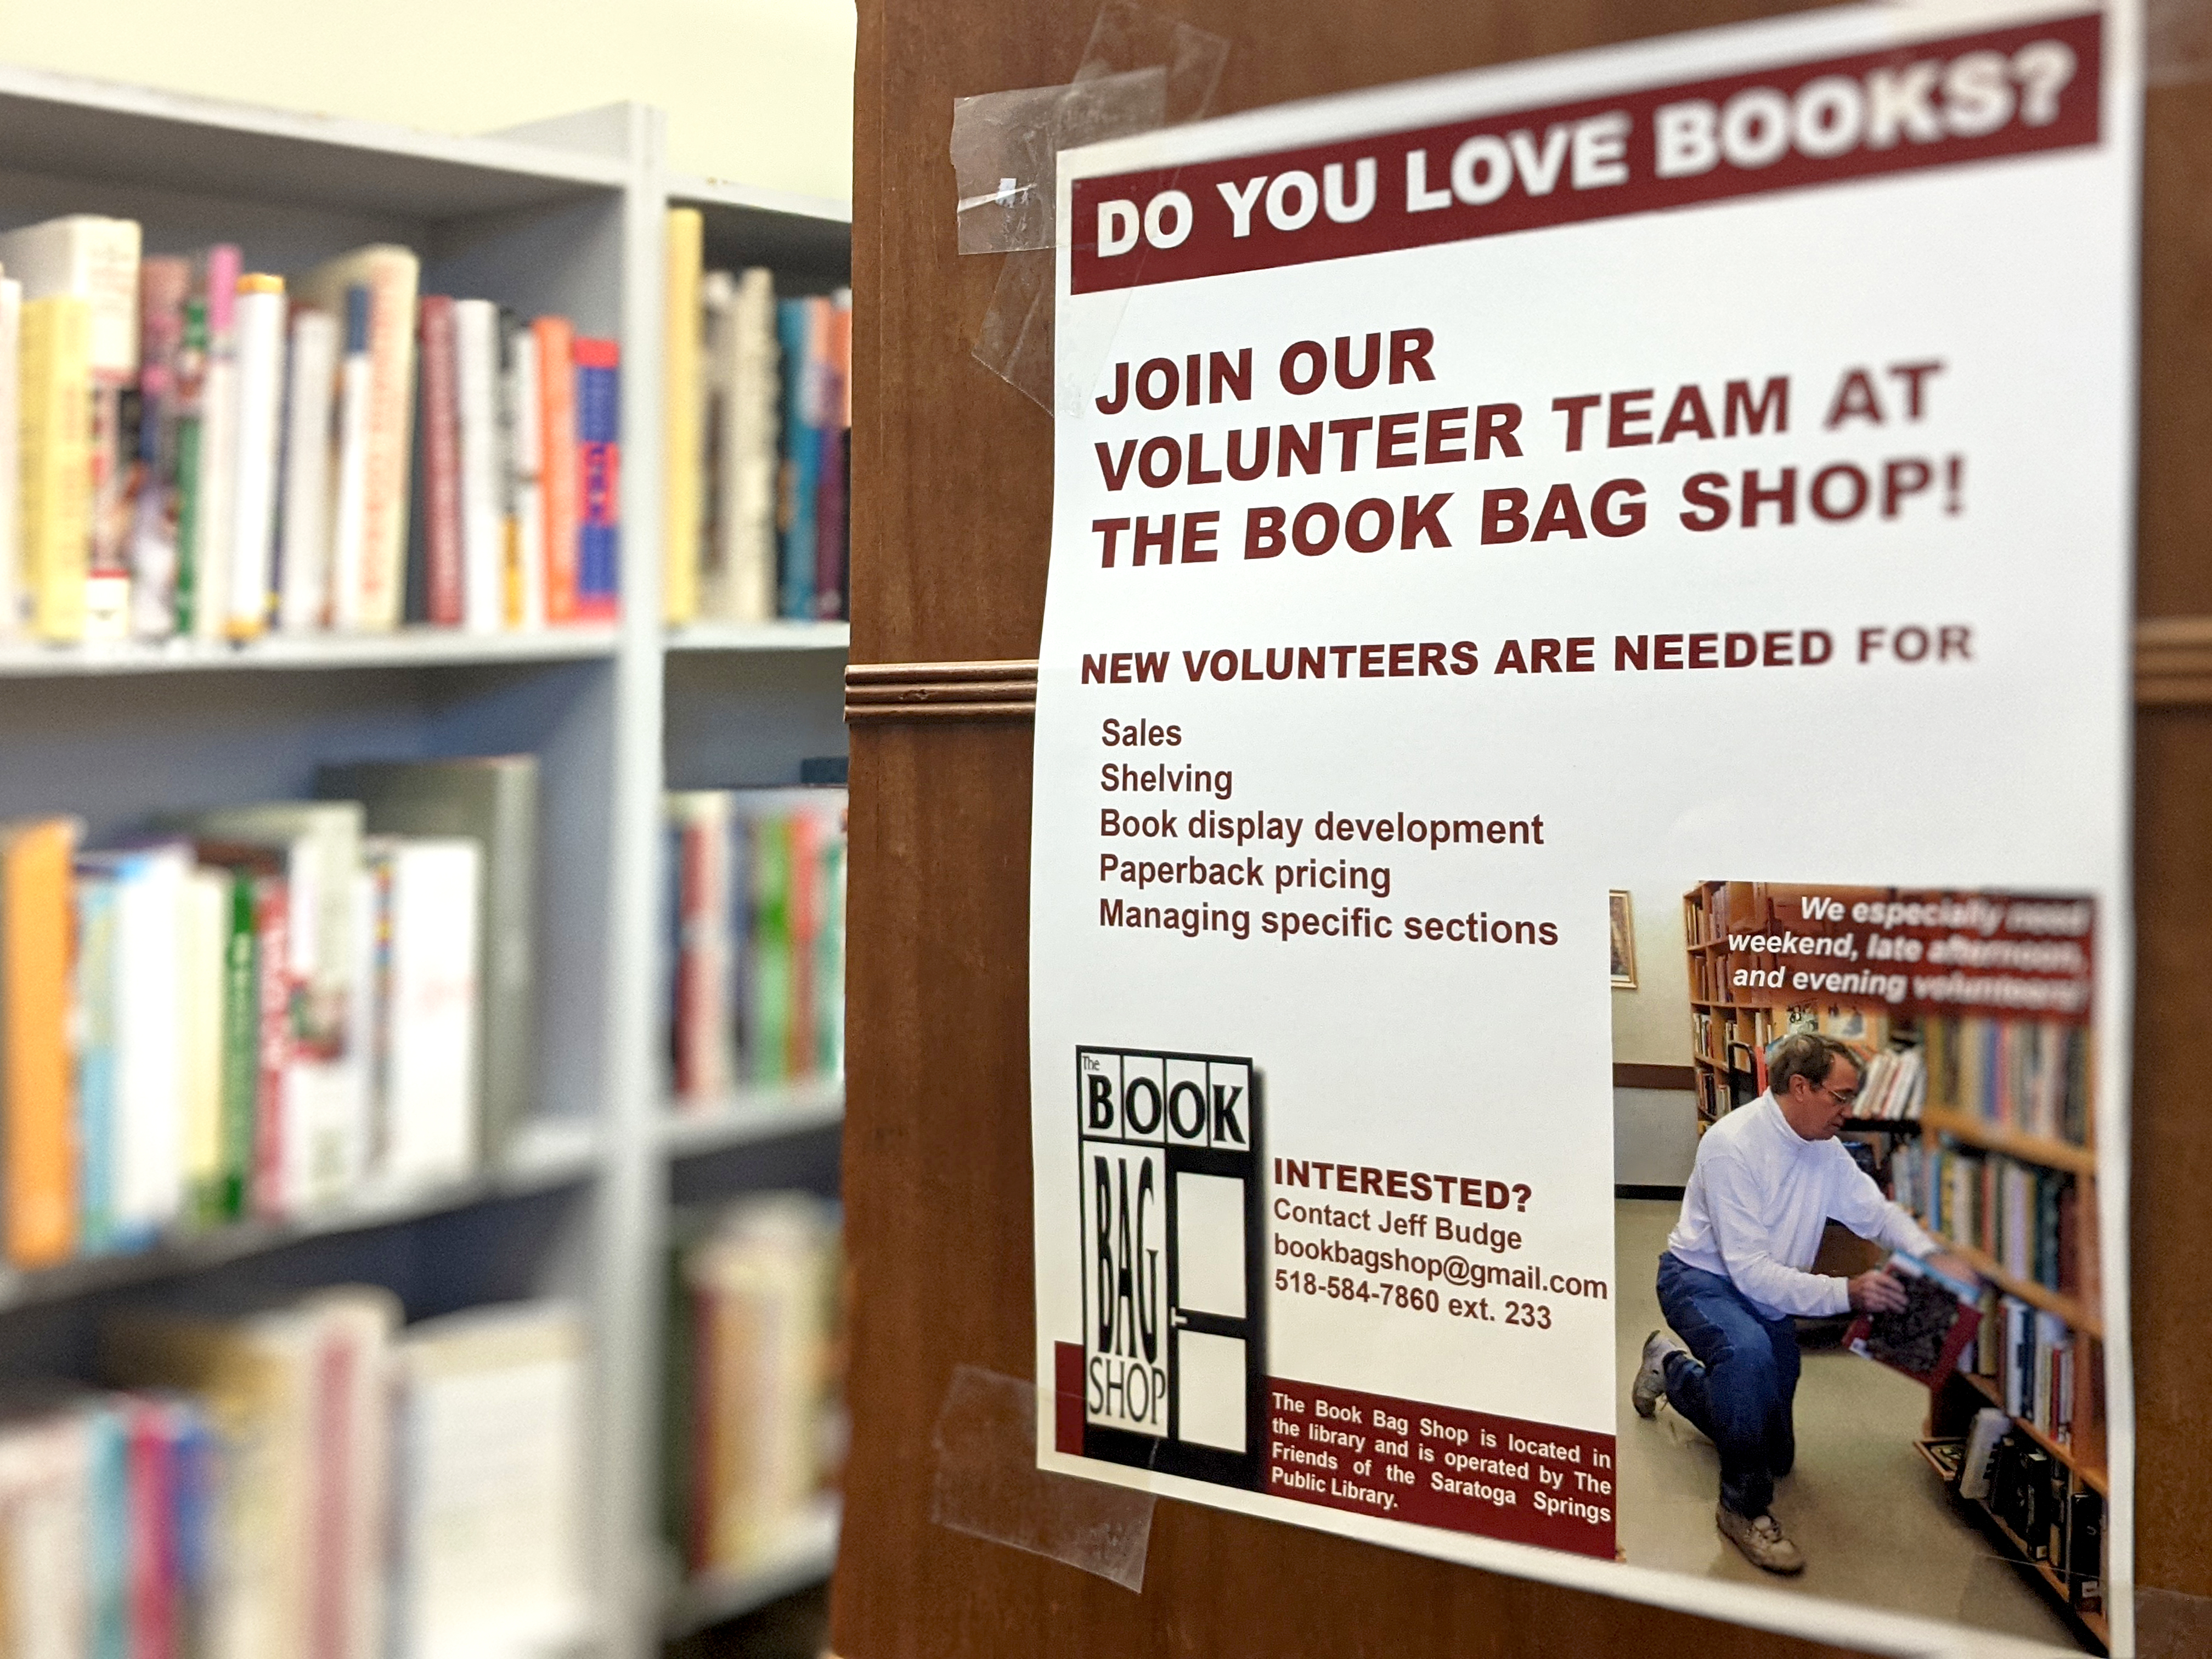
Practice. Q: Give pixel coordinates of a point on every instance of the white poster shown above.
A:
(1579, 945)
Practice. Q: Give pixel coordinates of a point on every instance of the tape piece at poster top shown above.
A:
(1140, 70)
(1004, 145)
(988, 1484)
(2177, 41)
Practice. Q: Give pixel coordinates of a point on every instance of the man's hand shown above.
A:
(1877, 1291)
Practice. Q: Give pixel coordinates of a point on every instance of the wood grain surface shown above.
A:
(950, 519)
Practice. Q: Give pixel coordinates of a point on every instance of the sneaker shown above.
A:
(1650, 1385)
(1761, 1540)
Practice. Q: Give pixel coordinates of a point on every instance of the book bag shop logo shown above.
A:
(1174, 1361)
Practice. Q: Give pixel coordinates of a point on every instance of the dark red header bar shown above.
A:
(1937, 103)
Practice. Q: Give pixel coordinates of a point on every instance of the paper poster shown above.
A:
(1579, 934)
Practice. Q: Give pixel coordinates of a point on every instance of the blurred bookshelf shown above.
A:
(555, 1236)
(752, 1114)
(824, 636)
(803, 1559)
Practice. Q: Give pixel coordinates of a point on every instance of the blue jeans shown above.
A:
(1742, 1385)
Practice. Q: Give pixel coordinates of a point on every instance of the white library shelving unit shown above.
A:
(564, 215)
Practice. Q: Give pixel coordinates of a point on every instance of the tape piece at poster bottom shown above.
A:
(988, 1484)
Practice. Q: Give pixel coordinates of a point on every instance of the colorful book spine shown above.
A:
(833, 482)
(303, 512)
(107, 1555)
(558, 469)
(797, 331)
(95, 1062)
(598, 443)
(56, 381)
(164, 286)
(478, 468)
(216, 479)
(191, 395)
(440, 438)
(37, 944)
(349, 509)
(260, 320)
(526, 462)
(680, 428)
(272, 925)
(11, 466)
(241, 1046)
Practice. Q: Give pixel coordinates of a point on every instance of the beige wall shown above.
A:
(757, 91)
(1651, 1024)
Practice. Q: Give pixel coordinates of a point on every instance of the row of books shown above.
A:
(263, 1011)
(753, 938)
(192, 448)
(2056, 1522)
(2031, 1221)
(1894, 1087)
(756, 1424)
(1734, 1036)
(759, 427)
(2032, 1358)
(2029, 1075)
(306, 1478)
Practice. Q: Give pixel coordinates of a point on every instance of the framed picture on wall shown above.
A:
(1624, 939)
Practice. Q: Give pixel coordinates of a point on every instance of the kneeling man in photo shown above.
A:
(1736, 1275)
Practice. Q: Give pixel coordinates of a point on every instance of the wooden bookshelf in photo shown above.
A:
(564, 217)
(2005, 1172)
(1727, 1038)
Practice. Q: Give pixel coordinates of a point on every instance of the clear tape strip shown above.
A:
(2177, 43)
(988, 1484)
(1140, 69)
(2172, 1624)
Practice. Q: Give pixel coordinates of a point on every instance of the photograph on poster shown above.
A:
(1881, 1086)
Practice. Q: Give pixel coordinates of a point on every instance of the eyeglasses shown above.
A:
(1846, 1098)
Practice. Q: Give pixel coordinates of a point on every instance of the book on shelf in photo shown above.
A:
(2031, 1076)
(2032, 1221)
(1894, 1088)
(758, 418)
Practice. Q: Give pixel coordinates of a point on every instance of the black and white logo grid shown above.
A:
(1174, 1349)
